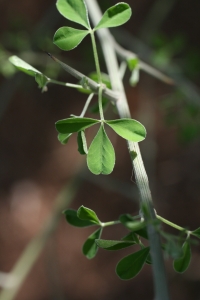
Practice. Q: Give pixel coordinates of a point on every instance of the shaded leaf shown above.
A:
(131, 237)
(23, 66)
(115, 16)
(129, 266)
(88, 214)
(74, 124)
(181, 264)
(82, 143)
(67, 38)
(113, 245)
(41, 80)
(132, 223)
(90, 247)
(129, 129)
(149, 259)
(75, 11)
(173, 248)
(101, 154)
(196, 232)
(64, 137)
(72, 218)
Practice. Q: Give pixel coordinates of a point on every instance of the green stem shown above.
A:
(87, 103)
(172, 224)
(110, 223)
(100, 102)
(96, 59)
(76, 86)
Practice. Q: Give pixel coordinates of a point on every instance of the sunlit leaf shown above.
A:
(101, 154)
(129, 129)
(129, 266)
(82, 143)
(74, 124)
(90, 247)
(72, 218)
(67, 38)
(132, 63)
(88, 214)
(74, 10)
(113, 245)
(23, 66)
(115, 16)
(181, 264)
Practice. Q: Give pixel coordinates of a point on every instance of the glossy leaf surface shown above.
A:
(88, 214)
(181, 264)
(113, 245)
(82, 143)
(74, 10)
(101, 154)
(72, 219)
(23, 66)
(129, 129)
(129, 266)
(115, 16)
(74, 124)
(67, 38)
(90, 247)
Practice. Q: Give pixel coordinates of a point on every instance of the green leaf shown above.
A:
(129, 129)
(101, 154)
(41, 80)
(64, 137)
(23, 66)
(131, 237)
(113, 245)
(173, 249)
(88, 214)
(132, 264)
(132, 63)
(74, 124)
(82, 143)
(67, 38)
(131, 223)
(90, 247)
(72, 218)
(181, 264)
(74, 10)
(115, 16)
(196, 232)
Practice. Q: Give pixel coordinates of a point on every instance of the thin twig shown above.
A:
(160, 282)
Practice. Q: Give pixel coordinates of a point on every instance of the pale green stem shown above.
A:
(111, 223)
(173, 225)
(100, 102)
(87, 103)
(76, 86)
(96, 59)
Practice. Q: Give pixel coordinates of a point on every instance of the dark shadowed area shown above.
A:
(39, 177)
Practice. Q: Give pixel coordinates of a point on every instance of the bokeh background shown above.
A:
(35, 168)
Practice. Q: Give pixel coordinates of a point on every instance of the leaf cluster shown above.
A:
(177, 247)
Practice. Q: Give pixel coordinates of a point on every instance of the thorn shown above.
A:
(50, 55)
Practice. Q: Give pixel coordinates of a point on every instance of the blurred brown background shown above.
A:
(35, 167)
